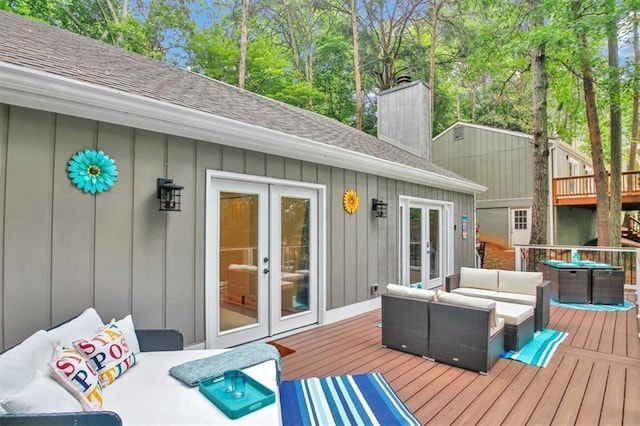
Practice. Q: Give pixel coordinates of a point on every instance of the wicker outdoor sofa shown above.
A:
(456, 330)
(526, 288)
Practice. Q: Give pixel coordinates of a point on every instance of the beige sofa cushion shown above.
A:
(476, 292)
(479, 278)
(523, 299)
(513, 313)
(519, 282)
(476, 302)
(414, 293)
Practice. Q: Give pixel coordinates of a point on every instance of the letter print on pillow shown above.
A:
(108, 352)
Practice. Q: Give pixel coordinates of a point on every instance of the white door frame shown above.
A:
(211, 262)
(446, 236)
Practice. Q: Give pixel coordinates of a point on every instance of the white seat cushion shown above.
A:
(149, 395)
(523, 299)
(476, 292)
(512, 313)
(479, 278)
(519, 282)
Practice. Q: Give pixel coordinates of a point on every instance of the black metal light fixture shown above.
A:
(379, 208)
(169, 195)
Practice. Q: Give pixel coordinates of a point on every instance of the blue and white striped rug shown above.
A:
(540, 349)
(589, 307)
(363, 399)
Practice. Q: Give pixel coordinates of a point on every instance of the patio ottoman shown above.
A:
(607, 286)
(519, 324)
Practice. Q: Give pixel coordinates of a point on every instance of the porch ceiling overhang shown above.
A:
(30, 88)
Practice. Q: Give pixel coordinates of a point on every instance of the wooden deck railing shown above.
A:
(581, 190)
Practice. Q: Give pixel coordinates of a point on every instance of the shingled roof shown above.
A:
(31, 44)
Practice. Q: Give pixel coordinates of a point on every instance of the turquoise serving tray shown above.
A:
(256, 396)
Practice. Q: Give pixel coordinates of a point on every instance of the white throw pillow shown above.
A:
(19, 364)
(479, 278)
(414, 293)
(41, 395)
(421, 293)
(396, 290)
(129, 332)
(519, 282)
(84, 325)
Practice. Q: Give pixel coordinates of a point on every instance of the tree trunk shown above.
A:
(615, 187)
(356, 64)
(599, 170)
(633, 146)
(540, 209)
(242, 68)
(432, 53)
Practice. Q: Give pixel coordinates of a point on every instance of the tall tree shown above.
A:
(633, 146)
(356, 63)
(540, 139)
(242, 67)
(386, 24)
(615, 122)
(604, 230)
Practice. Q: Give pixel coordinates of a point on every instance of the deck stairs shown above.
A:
(631, 228)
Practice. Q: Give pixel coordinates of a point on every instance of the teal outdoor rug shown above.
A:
(588, 307)
(538, 351)
(363, 399)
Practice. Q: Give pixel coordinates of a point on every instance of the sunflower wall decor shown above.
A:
(92, 171)
(350, 201)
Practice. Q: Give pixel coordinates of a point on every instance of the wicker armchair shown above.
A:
(461, 336)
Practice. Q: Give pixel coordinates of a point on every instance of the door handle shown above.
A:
(265, 271)
(265, 260)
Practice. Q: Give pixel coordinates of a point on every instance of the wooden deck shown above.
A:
(593, 378)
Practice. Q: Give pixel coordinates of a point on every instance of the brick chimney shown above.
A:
(404, 116)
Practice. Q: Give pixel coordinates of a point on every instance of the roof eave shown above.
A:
(31, 88)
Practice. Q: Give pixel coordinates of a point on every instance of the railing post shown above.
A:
(638, 283)
(518, 259)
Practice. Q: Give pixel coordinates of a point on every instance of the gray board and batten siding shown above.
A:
(500, 160)
(64, 250)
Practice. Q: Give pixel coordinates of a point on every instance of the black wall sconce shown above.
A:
(169, 195)
(379, 208)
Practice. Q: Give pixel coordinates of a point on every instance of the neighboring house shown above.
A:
(502, 160)
(262, 244)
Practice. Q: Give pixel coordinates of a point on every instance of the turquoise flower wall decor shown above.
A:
(92, 171)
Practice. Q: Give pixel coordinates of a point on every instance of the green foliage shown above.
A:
(482, 51)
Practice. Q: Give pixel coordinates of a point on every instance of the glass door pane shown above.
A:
(238, 260)
(415, 245)
(434, 244)
(294, 246)
(237, 256)
(294, 257)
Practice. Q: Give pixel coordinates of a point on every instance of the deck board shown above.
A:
(593, 378)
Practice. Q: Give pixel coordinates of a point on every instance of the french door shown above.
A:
(426, 242)
(262, 260)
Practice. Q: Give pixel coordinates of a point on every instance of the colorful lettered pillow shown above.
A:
(78, 376)
(108, 352)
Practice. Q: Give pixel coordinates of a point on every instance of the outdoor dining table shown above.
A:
(584, 281)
